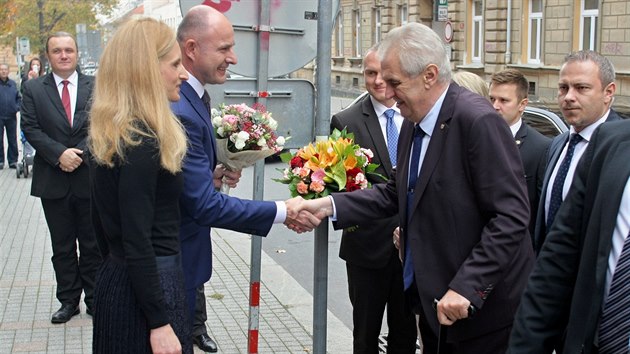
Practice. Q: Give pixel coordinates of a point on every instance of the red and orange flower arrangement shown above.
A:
(334, 165)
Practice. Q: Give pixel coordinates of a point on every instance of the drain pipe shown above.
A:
(508, 44)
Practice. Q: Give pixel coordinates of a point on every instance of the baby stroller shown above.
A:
(28, 153)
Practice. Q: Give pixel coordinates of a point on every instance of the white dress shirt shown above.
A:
(73, 82)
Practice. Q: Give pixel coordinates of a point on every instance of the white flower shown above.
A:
(262, 142)
(273, 124)
(220, 132)
(239, 139)
(368, 152)
(361, 180)
(280, 141)
(216, 120)
(215, 112)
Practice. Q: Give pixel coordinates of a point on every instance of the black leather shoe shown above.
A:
(65, 313)
(205, 343)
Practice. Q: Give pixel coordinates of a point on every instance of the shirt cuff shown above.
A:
(333, 217)
(281, 212)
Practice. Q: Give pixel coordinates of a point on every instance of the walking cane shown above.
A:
(442, 330)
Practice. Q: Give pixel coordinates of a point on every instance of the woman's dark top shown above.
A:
(135, 213)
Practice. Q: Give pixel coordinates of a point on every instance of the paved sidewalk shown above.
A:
(27, 291)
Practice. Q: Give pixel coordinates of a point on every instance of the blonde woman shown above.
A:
(472, 82)
(137, 147)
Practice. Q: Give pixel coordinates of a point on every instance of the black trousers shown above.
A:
(9, 124)
(372, 291)
(201, 314)
(69, 221)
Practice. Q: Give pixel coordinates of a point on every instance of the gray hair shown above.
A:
(606, 69)
(417, 46)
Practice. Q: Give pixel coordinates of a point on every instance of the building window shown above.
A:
(376, 37)
(535, 31)
(339, 35)
(477, 31)
(588, 24)
(403, 14)
(356, 32)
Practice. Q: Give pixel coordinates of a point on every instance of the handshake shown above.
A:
(305, 215)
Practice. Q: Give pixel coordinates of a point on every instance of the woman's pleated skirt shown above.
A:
(119, 323)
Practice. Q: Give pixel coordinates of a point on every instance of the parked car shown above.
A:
(546, 122)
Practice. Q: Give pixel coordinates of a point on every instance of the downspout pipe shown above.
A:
(508, 43)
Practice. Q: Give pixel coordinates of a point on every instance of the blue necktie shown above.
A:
(614, 327)
(418, 134)
(392, 136)
(558, 184)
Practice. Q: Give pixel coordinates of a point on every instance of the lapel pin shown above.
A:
(518, 142)
(442, 126)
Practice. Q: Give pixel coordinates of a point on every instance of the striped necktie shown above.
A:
(614, 328)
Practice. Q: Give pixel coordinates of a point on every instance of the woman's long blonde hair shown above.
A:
(130, 99)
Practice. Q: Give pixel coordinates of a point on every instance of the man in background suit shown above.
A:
(583, 265)
(372, 263)
(464, 220)
(9, 106)
(508, 94)
(206, 40)
(585, 95)
(54, 120)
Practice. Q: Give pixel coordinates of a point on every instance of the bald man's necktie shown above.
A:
(206, 101)
(558, 184)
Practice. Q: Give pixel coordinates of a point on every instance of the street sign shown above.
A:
(292, 40)
(442, 13)
(24, 46)
(448, 32)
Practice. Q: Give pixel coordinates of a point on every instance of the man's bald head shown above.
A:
(206, 39)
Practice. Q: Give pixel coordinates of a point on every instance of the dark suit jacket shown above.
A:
(533, 147)
(370, 245)
(201, 205)
(566, 287)
(46, 127)
(468, 221)
(555, 149)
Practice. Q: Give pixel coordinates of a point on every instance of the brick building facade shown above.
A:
(490, 35)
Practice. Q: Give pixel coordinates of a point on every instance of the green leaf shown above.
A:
(339, 175)
(286, 157)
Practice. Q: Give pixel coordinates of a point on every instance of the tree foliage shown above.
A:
(37, 19)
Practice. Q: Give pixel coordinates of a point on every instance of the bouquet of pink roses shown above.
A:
(245, 134)
(333, 165)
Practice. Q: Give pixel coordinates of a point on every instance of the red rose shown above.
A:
(353, 172)
(351, 186)
(296, 161)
